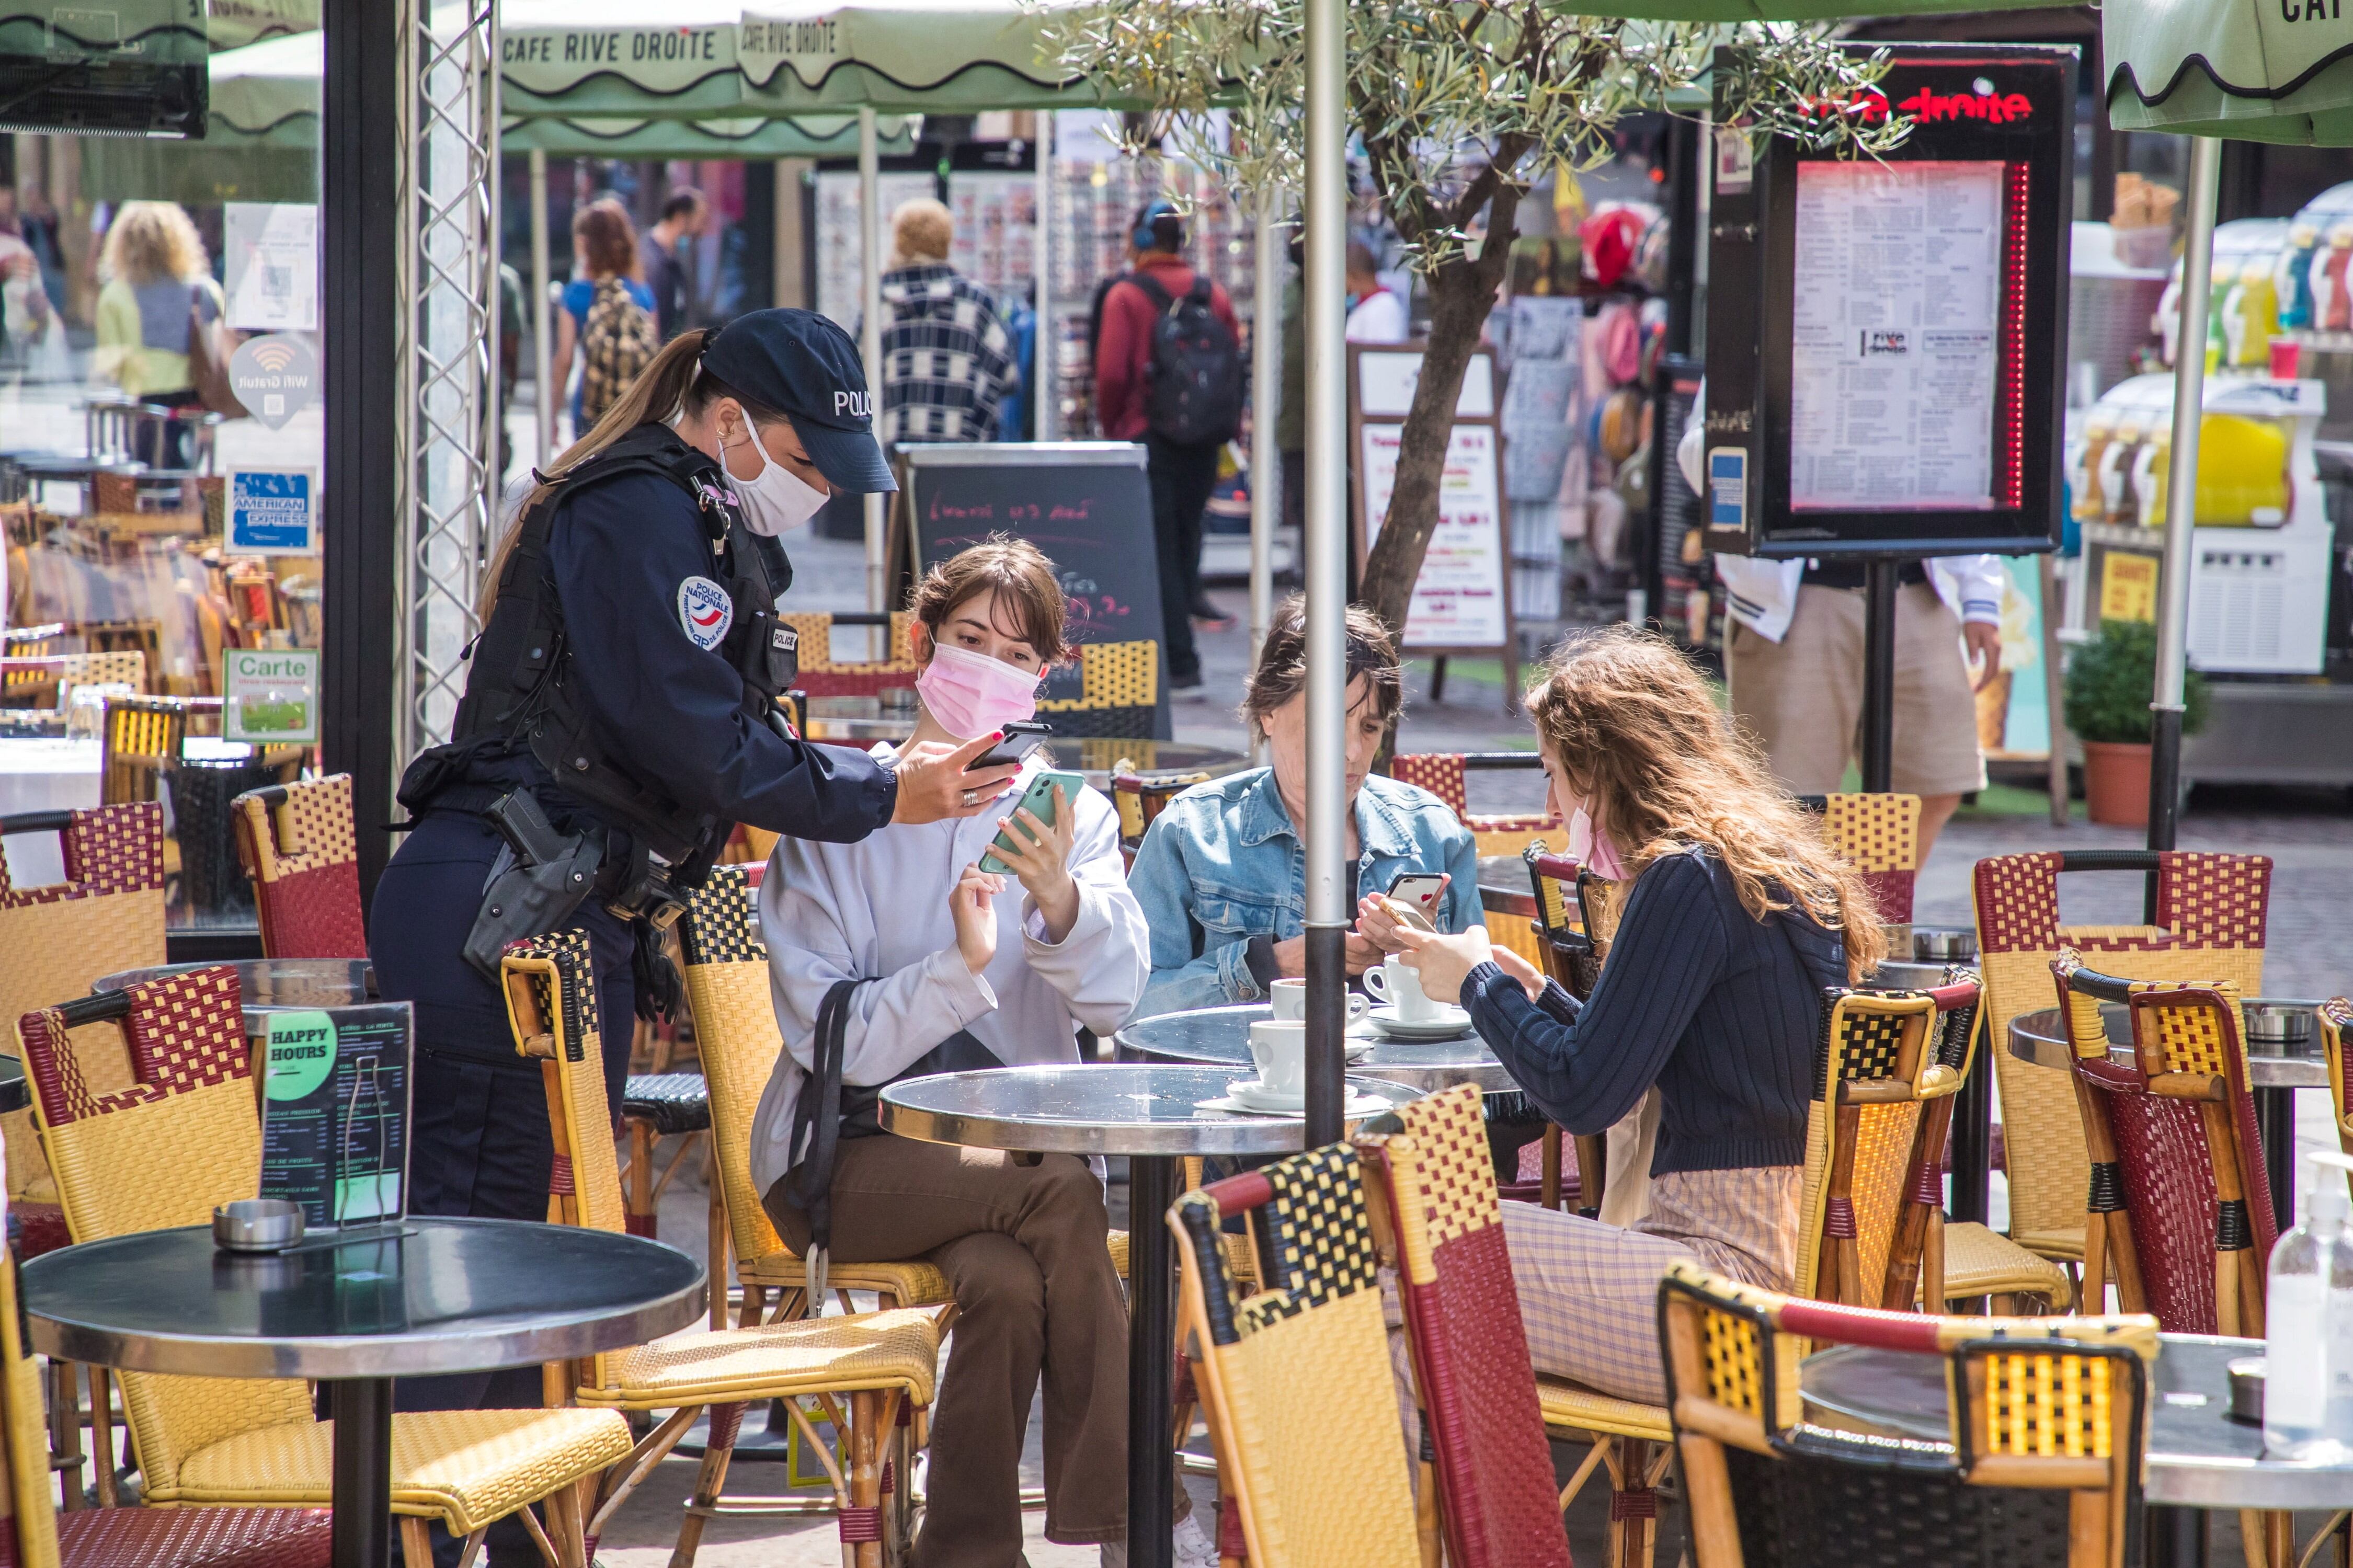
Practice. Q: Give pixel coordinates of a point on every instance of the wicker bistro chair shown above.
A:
(1446, 775)
(1874, 1231)
(821, 675)
(2210, 913)
(33, 1534)
(163, 1152)
(1432, 1180)
(2050, 1420)
(1310, 1491)
(2181, 1213)
(726, 972)
(1140, 798)
(55, 939)
(861, 1370)
(1878, 836)
(298, 844)
(2336, 1039)
(1567, 952)
(1119, 693)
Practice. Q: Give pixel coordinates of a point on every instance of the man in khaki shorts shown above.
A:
(1794, 655)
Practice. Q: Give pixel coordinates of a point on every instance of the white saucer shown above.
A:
(1246, 1095)
(1451, 1023)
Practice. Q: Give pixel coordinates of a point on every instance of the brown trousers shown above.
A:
(1022, 1248)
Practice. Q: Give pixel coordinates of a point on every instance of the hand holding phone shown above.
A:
(1038, 801)
(1416, 893)
(1021, 737)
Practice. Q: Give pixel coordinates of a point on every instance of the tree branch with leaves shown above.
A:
(1457, 109)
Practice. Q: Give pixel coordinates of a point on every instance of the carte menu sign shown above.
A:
(335, 1117)
(1886, 335)
(1086, 504)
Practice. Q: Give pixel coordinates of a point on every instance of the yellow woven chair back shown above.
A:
(2211, 921)
(550, 991)
(816, 650)
(31, 1522)
(1112, 675)
(1875, 1061)
(1296, 1376)
(2336, 1039)
(160, 1154)
(726, 972)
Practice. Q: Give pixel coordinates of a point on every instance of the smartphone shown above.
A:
(1417, 893)
(1022, 736)
(1039, 798)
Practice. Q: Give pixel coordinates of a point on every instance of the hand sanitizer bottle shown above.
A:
(2308, 1356)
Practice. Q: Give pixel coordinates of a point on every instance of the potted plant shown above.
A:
(2110, 682)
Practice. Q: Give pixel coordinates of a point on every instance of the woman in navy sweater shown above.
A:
(1737, 916)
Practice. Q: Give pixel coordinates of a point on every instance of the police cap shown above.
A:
(805, 367)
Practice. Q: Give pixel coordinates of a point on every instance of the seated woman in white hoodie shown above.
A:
(968, 968)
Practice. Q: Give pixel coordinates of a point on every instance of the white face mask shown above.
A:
(775, 500)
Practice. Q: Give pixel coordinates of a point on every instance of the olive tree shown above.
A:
(1456, 108)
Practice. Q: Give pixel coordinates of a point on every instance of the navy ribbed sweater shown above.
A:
(1718, 1009)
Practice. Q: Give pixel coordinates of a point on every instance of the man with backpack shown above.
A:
(1169, 372)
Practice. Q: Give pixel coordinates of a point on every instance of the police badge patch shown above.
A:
(705, 611)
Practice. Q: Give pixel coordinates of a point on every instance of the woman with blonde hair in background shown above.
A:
(1736, 916)
(159, 290)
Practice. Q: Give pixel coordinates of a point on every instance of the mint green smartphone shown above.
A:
(1039, 798)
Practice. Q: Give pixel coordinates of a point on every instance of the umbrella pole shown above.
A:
(1327, 569)
(1041, 348)
(543, 356)
(1266, 402)
(2181, 504)
(869, 317)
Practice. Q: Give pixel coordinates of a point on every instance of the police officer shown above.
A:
(619, 718)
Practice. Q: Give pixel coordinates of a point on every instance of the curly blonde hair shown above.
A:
(1634, 729)
(153, 242)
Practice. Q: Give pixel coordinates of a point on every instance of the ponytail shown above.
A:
(672, 384)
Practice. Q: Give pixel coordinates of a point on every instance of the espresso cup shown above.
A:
(1289, 998)
(1401, 988)
(1278, 1048)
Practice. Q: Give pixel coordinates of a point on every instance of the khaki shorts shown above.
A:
(1802, 697)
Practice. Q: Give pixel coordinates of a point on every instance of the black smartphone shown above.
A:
(1022, 736)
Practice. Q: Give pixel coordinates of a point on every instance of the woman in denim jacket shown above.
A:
(1222, 874)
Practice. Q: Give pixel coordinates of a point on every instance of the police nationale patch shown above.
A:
(705, 611)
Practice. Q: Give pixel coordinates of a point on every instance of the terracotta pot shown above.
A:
(2115, 783)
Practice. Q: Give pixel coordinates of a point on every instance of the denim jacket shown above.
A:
(1222, 864)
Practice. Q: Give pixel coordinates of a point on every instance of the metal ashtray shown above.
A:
(2247, 1390)
(2283, 1029)
(257, 1225)
(1944, 944)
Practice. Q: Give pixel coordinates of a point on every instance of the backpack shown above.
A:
(1194, 378)
(618, 341)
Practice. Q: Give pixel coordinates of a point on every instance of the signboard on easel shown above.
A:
(1461, 600)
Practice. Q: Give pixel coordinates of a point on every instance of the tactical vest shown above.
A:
(522, 685)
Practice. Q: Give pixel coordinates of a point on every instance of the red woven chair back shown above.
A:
(300, 846)
(2175, 1148)
(1497, 1495)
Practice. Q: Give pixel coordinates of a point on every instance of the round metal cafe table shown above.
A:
(355, 1311)
(1220, 1037)
(2281, 1057)
(1152, 1114)
(2199, 1458)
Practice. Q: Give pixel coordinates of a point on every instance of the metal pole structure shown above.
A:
(1326, 567)
(1042, 396)
(2181, 503)
(543, 353)
(1266, 405)
(1879, 588)
(870, 318)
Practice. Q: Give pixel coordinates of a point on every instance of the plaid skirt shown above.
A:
(1588, 1292)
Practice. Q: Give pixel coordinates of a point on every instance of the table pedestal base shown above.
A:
(2176, 1538)
(2275, 1124)
(362, 1410)
(1151, 1363)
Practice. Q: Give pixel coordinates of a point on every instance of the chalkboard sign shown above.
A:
(1088, 505)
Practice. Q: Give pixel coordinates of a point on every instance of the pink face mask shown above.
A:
(972, 694)
(1593, 850)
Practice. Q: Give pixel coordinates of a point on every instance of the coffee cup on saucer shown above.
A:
(1278, 1048)
(1290, 1001)
(1401, 988)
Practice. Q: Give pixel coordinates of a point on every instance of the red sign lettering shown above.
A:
(1994, 107)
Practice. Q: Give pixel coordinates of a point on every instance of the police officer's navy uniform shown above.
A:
(626, 681)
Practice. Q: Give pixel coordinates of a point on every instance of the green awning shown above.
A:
(933, 56)
(2253, 70)
(808, 136)
(627, 58)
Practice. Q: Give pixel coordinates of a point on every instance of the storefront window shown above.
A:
(161, 438)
